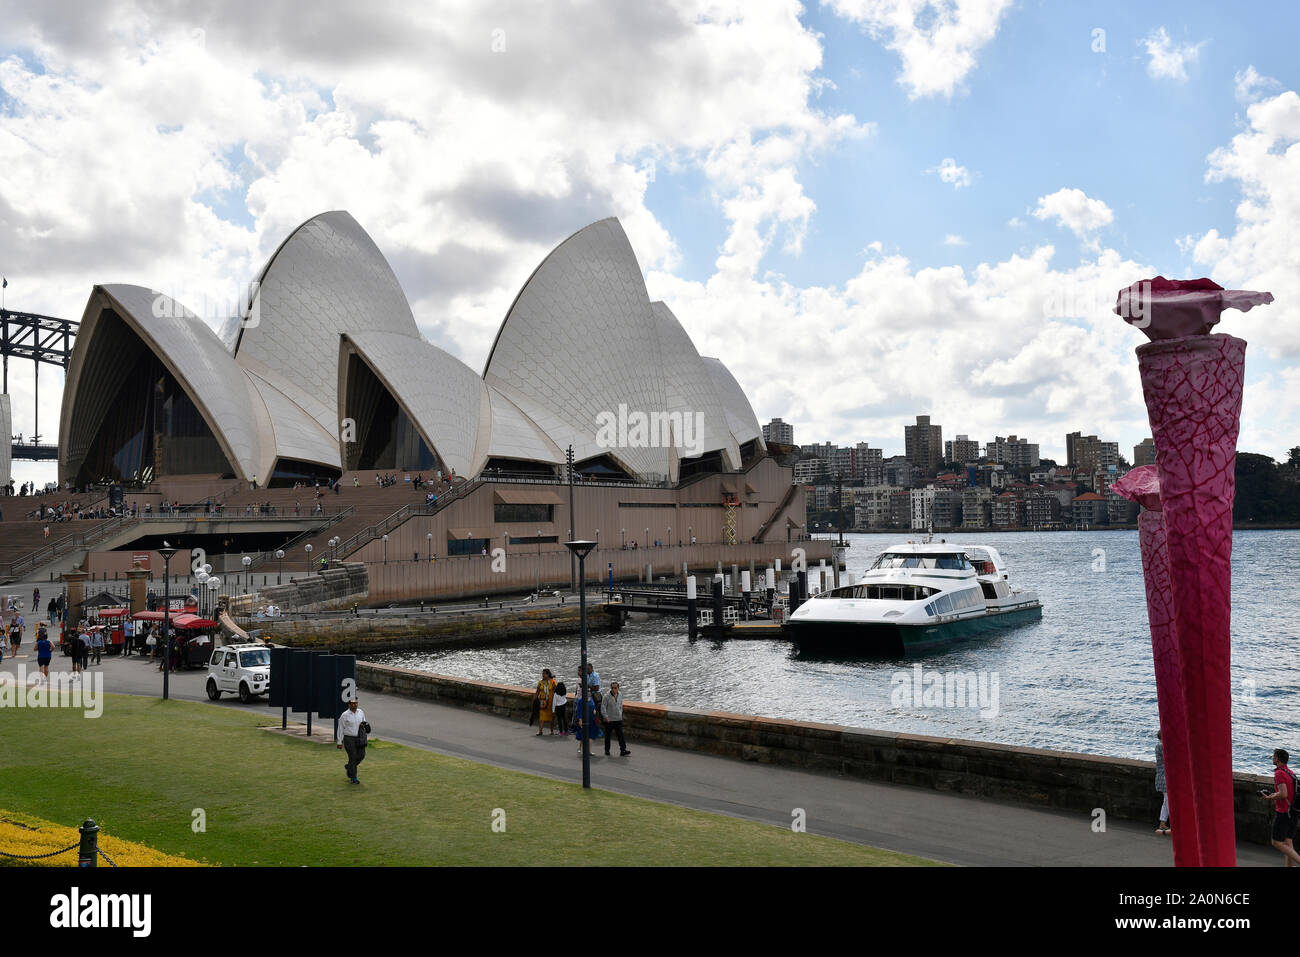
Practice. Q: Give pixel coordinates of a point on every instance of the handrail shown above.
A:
(69, 543)
(371, 532)
(312, 532)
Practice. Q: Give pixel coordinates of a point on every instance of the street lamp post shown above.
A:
(429, 539)
(580, 550)
(201, 578)
(308, 549)
(248, 579)
(537, 590)
(668, 539)
(622, 535)
(167, 552)
(385, 540)
(279, 575)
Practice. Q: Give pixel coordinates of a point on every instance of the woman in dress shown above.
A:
(545, 698)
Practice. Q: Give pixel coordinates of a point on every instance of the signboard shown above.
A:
(141, 559)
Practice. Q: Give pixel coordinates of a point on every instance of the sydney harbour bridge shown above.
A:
(29, 336)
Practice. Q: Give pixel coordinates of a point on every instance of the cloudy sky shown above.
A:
(868, 209)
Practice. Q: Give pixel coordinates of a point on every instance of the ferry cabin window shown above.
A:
(881, 592)
(955, 562)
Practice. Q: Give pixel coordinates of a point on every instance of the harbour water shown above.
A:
(1081, 679)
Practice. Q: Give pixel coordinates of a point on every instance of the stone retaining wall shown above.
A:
(338, 587)
(1062, 780)
(370, 634)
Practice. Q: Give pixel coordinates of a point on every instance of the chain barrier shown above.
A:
(37, 857)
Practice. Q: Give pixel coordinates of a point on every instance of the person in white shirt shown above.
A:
(347, 738)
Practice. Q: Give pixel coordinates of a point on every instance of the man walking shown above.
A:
(1283, 797)
(97, 643)
(352, 734)
(612, 710)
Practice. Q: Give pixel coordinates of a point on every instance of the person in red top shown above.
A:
(1283, 796)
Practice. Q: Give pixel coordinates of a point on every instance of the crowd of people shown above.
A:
(599, 716)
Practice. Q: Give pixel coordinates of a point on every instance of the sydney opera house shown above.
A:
(326, 372)
(324, 375)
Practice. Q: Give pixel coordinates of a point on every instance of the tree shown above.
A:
(1293, 457)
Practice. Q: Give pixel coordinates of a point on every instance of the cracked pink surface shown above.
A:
(1193, 388)
(1142, 485)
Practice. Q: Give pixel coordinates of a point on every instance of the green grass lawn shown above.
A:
(145, 765)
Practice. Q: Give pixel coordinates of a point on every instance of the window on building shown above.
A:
(532, 514)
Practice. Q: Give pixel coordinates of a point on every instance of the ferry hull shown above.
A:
(863, 639)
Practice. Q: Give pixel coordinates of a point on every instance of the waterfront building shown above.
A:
(326, 370)
(1144, 453)
(871, 506)
(946, 508)
(1119, 510)
(841, 465)
(976, 508)
(819, 497)
(777, 432)
(1041, 508)
(1089, 453)
(900, 508)
(961, 450)
(897, 470)
(1089, 509)
(1013, 452)
(1007, 510)
(922, 508)
(867, 464)
(811, 471)
(923, 445)
(822, 451)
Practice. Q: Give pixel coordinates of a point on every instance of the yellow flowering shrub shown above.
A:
(24, 834)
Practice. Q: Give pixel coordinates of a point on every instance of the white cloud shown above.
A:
(937, 40)
(1249, 85)
(952, 239)
(951, 173)
(1075, 210)
(172, 146)
(1167, 60)
(1019, 344)
(1263, 251)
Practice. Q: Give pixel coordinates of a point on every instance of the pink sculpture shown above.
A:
(1192, 382)
(1142, 485)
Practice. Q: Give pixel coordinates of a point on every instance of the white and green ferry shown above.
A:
(915, 598)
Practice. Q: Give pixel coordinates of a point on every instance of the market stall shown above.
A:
(192, 635)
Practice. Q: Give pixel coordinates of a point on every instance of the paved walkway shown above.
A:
(946, 827)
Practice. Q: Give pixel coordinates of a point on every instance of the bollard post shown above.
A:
(88, 853)
(735, 581)
(717, 602)
(745, 584)
(692, 610)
